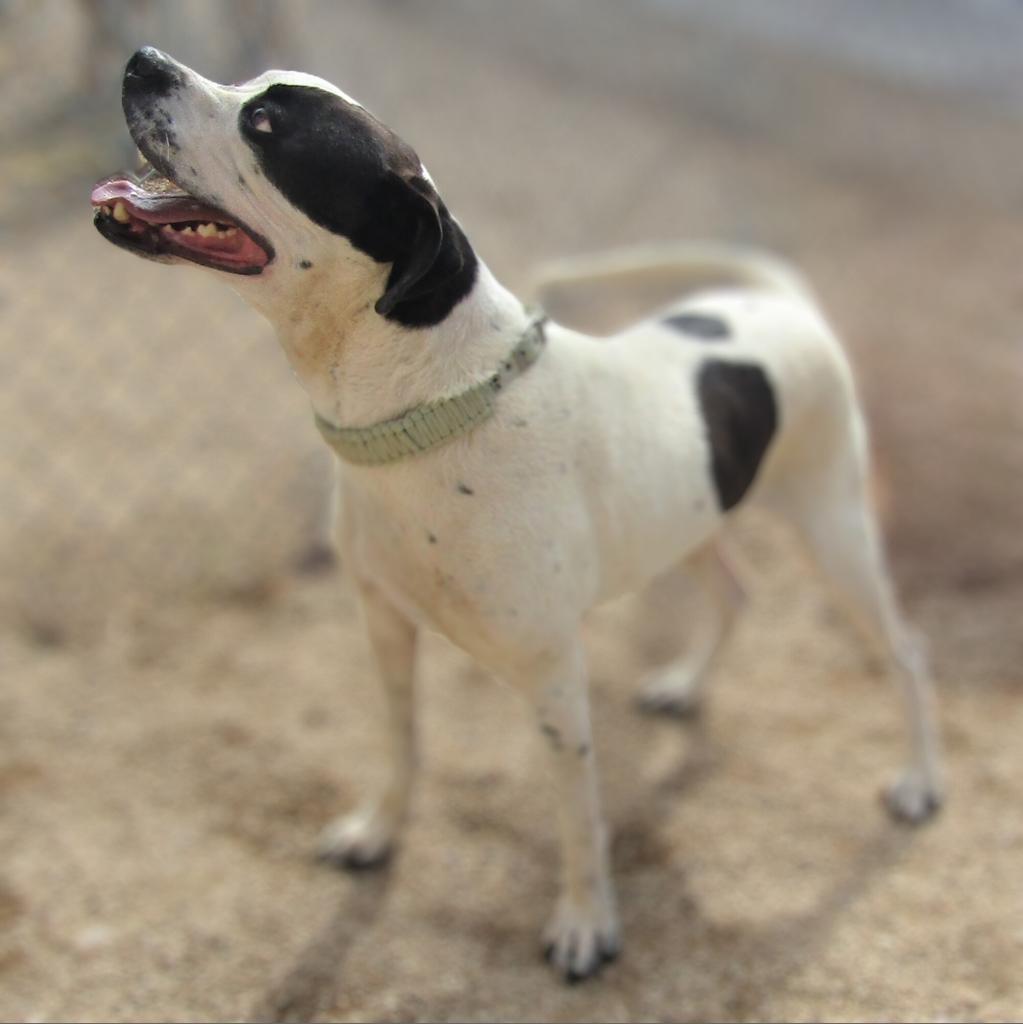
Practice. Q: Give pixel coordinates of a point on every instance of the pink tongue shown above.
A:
(151, 206)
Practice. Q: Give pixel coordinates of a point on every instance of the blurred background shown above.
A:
(185, 695)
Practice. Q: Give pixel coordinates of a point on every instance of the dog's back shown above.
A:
(721, 397)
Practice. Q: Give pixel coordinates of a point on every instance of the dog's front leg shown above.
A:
(583, 931)
(365, 837)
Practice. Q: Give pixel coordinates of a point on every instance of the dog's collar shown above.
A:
(431, 424)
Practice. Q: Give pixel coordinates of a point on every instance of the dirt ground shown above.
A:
(180, 712)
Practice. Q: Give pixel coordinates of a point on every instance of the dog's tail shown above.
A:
(692, 265)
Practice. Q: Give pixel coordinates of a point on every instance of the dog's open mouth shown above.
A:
(153, 216)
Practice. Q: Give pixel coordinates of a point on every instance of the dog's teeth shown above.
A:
(207, 230)
(188, 231)
(121, 214)
(230, 231)
(106, 209)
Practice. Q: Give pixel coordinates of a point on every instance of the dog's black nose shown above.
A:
(152, 72)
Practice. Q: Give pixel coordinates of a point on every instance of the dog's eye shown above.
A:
(259, 120)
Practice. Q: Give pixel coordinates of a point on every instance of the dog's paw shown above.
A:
(912, 799)
(359, 840)
(578, 941)
(673, 690)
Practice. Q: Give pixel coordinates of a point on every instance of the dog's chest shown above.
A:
(429, 560)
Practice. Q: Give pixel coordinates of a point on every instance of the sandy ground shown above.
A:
(180, 713)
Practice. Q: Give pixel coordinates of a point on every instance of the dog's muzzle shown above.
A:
(148, 212)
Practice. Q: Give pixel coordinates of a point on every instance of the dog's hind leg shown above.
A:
(583, 931)
(365, 837)
(831, 509)
(716, 597)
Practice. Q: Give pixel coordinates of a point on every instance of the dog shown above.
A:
(501, 474)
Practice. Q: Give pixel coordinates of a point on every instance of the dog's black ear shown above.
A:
(423, 217)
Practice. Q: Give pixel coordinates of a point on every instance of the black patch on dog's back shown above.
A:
(738, 406)
(353, 176)
(705, 326)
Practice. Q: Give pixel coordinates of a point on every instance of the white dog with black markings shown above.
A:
(500, 475)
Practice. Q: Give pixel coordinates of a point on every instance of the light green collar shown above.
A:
(433, 423)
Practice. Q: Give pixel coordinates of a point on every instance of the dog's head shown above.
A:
(273, 177)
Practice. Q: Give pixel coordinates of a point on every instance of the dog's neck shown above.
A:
(359, 368)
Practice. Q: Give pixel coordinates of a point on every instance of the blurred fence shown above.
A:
(153, 437)
(152, 440)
